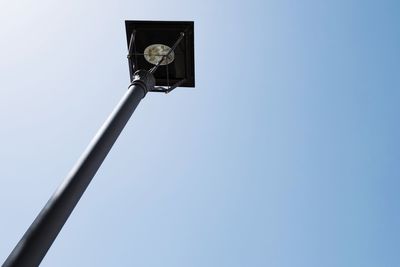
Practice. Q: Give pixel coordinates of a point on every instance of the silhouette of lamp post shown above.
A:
(161, 58)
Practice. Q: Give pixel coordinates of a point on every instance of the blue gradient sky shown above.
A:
(286, 153)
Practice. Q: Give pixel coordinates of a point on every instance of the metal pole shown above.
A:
(37, 240)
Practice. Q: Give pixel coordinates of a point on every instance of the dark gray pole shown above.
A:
(37, 240)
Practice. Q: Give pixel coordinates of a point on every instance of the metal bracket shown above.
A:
(131, 53)
(161, 89)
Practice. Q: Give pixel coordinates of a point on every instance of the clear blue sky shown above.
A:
(285, 154)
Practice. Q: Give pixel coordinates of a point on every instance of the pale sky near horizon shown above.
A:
(285, 154)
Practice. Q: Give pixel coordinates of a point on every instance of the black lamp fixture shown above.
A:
(165, 48)
(161, 58)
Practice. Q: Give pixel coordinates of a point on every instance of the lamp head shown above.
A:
(165, 46)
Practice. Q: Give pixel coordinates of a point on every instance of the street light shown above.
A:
(161, 58)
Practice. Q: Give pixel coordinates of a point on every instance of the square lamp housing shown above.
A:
(148, 34)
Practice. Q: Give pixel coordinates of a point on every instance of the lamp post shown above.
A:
(149, 44)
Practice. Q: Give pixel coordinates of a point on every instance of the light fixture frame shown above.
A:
(186, 29)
